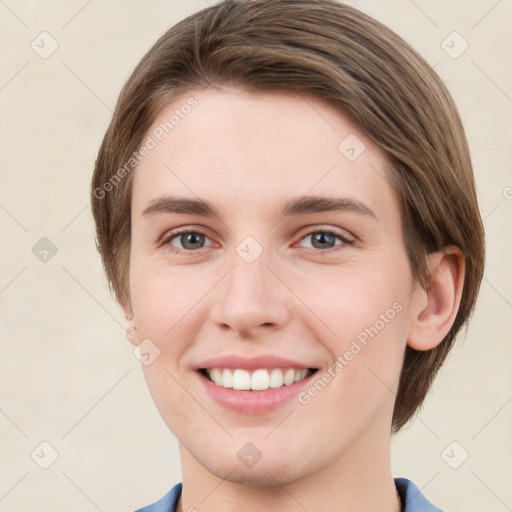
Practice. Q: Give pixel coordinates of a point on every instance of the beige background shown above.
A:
(68, 375)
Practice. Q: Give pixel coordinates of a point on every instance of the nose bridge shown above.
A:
(250, 296)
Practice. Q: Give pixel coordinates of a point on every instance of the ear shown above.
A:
(131, 328)
(437, 306)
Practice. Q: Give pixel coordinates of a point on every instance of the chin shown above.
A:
(275, 468)
(264, 476)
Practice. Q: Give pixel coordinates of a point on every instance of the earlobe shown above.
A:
(437, 306)
(131, 328)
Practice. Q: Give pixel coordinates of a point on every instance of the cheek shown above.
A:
(162, 298)
(366, 358)
(361, 299)
(179, 411)
(368, 314)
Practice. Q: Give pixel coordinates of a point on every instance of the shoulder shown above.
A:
(412, 498)
(167, 503)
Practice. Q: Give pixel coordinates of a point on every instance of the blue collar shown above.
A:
(412, 499)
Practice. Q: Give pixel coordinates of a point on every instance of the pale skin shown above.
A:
(247, 154)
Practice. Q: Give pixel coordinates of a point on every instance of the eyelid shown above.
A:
(170, 235)
(343, 235)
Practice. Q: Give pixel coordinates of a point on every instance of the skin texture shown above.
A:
(247, 154)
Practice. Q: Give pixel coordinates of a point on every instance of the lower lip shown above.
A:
(253, 402)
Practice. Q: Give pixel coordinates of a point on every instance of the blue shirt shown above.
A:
(412, 499)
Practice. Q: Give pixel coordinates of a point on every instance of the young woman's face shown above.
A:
(294, 261)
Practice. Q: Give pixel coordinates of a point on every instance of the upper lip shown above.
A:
(251, 363)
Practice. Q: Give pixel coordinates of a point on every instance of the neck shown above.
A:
(358, 480)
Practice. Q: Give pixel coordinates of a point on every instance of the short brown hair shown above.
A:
(344, 57)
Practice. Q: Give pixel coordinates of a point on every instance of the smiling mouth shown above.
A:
(257, 380)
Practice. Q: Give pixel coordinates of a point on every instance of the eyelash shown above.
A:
(344, 239)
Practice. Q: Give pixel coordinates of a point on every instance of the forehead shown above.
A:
(254, 148)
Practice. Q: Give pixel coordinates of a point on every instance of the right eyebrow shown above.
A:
(180, 205)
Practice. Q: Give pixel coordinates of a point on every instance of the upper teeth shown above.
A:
(258, 380)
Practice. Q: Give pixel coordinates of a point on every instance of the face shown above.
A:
(268, 273)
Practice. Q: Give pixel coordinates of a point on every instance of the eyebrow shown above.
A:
(297, 206)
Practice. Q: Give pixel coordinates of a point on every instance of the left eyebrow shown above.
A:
(317, 204)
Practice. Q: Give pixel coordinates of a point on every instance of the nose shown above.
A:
(251, 299)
